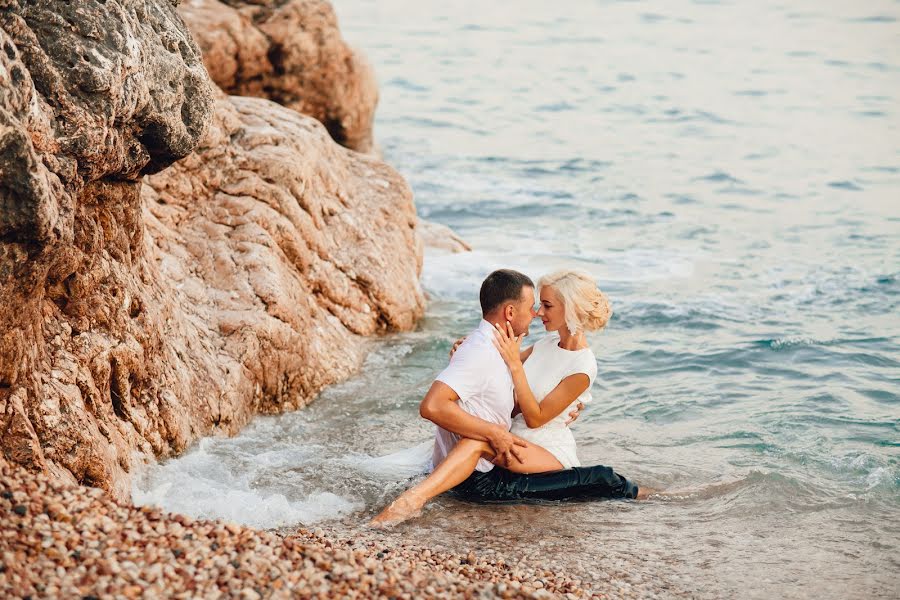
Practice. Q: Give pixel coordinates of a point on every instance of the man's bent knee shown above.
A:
(476, 446)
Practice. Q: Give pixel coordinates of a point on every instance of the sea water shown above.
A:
(730, 173)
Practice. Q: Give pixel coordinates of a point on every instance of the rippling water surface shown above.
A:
(731, 174)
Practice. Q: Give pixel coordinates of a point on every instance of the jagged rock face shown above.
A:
(270, 186)
(135, 317)
(291, 52)
(287, 247)
(92, 95)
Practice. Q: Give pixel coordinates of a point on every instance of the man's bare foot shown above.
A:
(403, 508)
(645, 492)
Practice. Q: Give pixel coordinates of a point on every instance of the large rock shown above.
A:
(136, 318)
(287, 247)
(292, 52)
(91, 97)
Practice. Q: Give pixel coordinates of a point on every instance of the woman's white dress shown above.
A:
(547, 366)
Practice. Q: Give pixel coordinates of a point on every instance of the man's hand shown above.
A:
(575, 413)
(506, 446)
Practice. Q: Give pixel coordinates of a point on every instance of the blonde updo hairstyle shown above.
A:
(586, 307)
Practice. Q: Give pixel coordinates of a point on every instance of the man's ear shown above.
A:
(508, 312)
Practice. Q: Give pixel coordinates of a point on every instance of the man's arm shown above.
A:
(440, 406)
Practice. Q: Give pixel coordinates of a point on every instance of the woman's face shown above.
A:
(551, 312)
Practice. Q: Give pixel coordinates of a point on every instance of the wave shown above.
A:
(709, 491)
(230, 483)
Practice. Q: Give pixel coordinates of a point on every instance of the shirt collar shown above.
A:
(485, 326)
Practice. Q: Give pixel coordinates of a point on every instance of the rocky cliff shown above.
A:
(138, 314)
(291, 52)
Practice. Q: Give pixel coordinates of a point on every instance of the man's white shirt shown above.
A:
(482, 381)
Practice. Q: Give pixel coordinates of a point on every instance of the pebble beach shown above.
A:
(64, 541)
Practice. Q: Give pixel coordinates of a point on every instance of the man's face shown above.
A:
(523, 312)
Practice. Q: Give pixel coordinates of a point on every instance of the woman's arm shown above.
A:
(535, 413)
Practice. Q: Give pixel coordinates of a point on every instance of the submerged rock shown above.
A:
(291, 52)
(136, 318)
(440, 237)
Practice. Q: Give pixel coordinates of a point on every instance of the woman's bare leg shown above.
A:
(645, 492)
(456, 468)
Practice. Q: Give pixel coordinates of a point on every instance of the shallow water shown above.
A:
(731, 174)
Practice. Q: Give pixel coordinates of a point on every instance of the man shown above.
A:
(473, 398)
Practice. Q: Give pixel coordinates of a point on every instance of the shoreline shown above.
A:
(63, 540)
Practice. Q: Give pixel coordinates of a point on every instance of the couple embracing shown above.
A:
(502, 412)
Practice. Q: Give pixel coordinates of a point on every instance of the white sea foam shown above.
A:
(866, 470)
(214, 484)
(459, 276)
(790, 341)
(878, 476)
(402, 464)
(386, 356)
(247, 507)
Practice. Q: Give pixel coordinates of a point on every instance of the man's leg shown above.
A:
(579, 483)
(456, 467)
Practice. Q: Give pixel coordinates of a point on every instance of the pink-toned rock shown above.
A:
(303, 223)
(140, 316)
(292, 52)
(91, 97)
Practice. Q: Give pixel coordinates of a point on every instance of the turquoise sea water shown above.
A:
(730, 172)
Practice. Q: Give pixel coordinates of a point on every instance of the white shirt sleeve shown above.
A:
(465, 373)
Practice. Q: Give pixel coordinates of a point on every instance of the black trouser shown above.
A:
(578, 483)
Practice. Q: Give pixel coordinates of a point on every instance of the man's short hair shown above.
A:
(503, 285)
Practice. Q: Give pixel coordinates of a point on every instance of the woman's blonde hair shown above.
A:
(586, 307)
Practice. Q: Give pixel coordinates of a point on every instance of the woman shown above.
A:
(561, 367)
(548, 377)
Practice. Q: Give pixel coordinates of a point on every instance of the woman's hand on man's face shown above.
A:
(508, 344)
